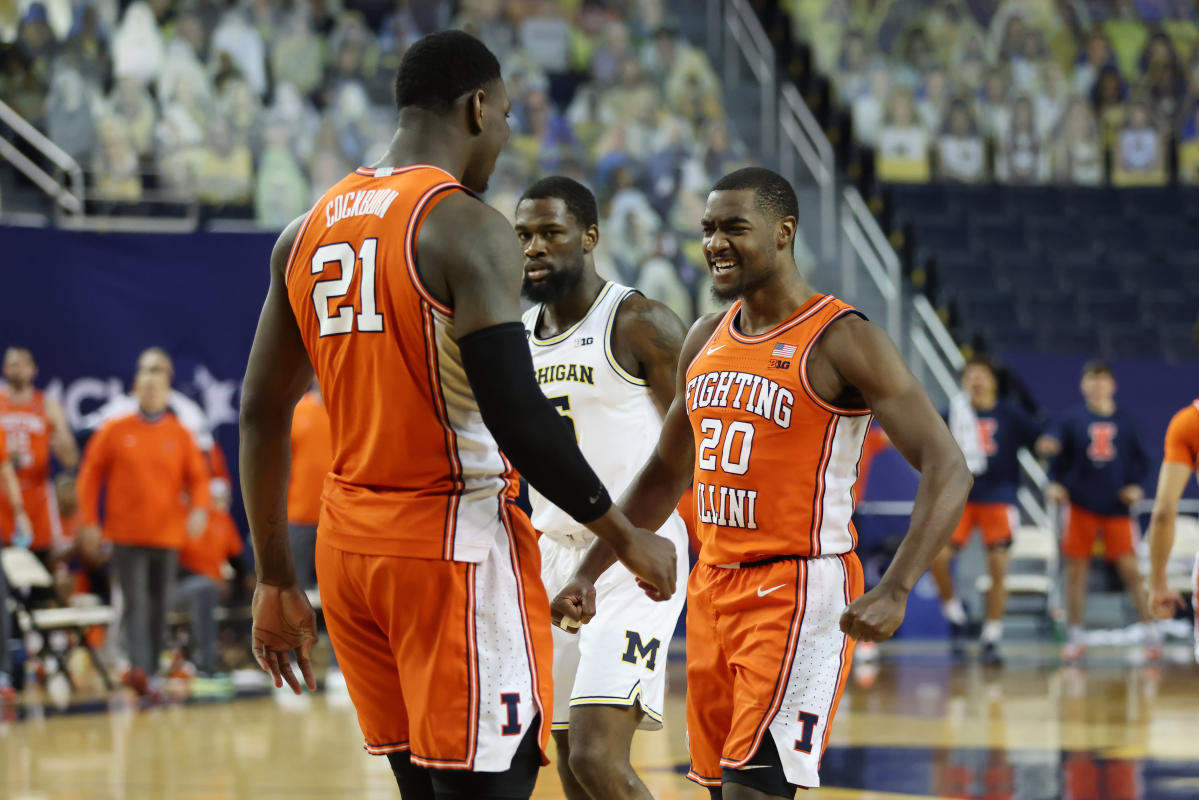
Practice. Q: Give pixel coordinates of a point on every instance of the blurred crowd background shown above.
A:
(255, 108)
(1082, 92)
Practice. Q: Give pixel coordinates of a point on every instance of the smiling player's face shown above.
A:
(738, 242)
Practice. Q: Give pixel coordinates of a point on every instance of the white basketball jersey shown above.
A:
(613, 416)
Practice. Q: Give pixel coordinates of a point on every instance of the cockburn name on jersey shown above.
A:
(354, 204)
(743, 390)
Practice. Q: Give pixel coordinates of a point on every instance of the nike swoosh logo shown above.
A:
(763, 592)
(712, 350)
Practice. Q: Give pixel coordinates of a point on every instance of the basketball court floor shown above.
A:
(911, 725)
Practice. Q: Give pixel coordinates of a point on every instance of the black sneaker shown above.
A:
(957, 640)
(990, 655)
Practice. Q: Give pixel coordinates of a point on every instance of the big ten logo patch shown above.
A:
(779, 363)
(1103, 441)
(639, 651)
(584, 341)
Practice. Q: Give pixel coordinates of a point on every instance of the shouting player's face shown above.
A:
(491, 119)
(19, 369)
(555, 246)
(740, 243)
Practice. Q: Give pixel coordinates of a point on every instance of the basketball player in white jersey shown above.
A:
(606, 357)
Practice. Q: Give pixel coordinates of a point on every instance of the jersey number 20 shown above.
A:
(341, 318)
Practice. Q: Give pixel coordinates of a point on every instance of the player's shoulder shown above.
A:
(636, 311)
(1185, 423)
(698, 335)
(462, 233)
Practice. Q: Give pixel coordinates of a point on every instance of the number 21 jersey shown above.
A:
(415, 472)
(775, 464)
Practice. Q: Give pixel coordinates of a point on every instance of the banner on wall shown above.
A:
(86, 304)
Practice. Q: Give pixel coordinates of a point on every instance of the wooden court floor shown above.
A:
(914, 725)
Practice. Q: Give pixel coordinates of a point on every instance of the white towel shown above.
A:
(963, 424)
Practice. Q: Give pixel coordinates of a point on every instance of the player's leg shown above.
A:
(621, 680)
(163, 565)
(997, 536)
(475, 664)
(951, 604)
(789, 693)
(601, 738)
(368, 663)
(132, 574)
(1077, 540)
(571, 788)
(709, 678)
(558, 564)
(1120, 550)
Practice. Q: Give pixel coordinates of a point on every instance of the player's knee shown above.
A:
(595, 763)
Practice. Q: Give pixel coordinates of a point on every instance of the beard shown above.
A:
(555, 286)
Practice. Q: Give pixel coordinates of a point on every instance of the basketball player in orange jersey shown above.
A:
(771, 410)
(36, 426)
(400, 288)
(1181, 459)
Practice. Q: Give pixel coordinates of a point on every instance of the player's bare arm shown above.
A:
(479, 275)
(12, 489)
(855, 364)
(648, 339)
(277, 375)
(1171, 483)
(655, 492)
(61, 440)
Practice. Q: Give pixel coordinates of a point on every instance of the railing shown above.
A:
(742, 27)
(799, 128)
(870, 244)
(69, 199)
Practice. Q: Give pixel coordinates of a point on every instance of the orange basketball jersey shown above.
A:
(28, 432)
(1182, 438)
(415, 472)
(775, 464)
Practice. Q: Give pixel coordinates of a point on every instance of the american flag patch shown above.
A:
(783, 351)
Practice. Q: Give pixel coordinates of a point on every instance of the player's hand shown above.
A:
(1131, 494)
(197, 522)
(576, 601)
(1164, 602)
(283, 623)
(875, 615)
(653, 561)
(87, 540)
(1056, 493)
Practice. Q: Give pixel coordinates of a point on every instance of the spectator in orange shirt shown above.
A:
(311, 460)
(146, 461)
(201, 576)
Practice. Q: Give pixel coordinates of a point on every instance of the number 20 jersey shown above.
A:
(415, 472)
(775, 464)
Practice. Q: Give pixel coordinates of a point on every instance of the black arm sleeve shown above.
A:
(529, 430)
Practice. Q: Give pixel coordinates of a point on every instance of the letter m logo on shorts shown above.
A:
(636, 650)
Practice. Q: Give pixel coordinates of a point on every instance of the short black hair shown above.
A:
(440, 68)
(579, 200)
(1097, 367)
(773, 193)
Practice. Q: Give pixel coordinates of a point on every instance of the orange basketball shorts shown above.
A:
(450, 661)
(766, 656)
(993, 520)
(1081, 527)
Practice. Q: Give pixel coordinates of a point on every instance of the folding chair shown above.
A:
(24, 572)
(1032, 565)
